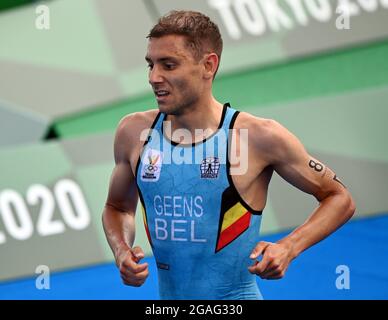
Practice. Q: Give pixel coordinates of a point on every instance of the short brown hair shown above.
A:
(201, 33)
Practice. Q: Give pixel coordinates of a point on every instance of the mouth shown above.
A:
(161, 94)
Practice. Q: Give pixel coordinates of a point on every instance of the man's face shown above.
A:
(174, 74)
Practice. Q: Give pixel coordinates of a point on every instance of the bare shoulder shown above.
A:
(132, 125)
(131, 134)
(268, 136)
(260, 130)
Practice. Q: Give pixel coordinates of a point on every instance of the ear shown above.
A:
(211, 64)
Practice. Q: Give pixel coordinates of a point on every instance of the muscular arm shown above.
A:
(118, 218)
(290, 160)
(336, 206)
(119, 212)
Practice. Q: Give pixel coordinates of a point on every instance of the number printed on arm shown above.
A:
(66, 195)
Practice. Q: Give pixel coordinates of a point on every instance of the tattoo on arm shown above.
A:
(338, 180)
(316, 166)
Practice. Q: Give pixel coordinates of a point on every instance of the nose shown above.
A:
(155, 75)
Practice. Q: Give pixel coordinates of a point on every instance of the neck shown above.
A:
(204, 117)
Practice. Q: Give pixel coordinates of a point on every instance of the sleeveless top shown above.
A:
(200, 230)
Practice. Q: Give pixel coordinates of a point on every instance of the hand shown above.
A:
(275, 261)
(132, 273)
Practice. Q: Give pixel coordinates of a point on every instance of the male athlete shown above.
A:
(201, 206)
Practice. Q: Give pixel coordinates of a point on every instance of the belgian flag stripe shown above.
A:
(229, 199)
(232, 215)
(233, 231)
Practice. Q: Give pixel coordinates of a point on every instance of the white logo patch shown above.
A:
(151, 165)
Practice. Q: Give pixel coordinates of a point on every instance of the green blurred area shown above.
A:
(326, 74)
(8, 4)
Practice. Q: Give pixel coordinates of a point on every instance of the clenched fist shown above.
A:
(132, 272)
(275, 261)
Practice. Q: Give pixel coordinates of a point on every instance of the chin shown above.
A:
(170, 110)
(163, 108)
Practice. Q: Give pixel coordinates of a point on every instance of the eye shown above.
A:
(150, 66)
(169, 66)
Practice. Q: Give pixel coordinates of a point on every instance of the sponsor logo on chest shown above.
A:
(210, 167)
